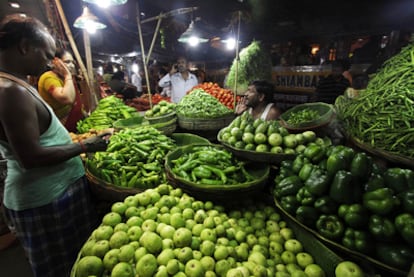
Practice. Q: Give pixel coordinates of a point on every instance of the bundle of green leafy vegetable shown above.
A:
(254, 63)
(200, 104)
(383, 114)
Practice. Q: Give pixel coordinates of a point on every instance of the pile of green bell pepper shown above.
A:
(354, 215)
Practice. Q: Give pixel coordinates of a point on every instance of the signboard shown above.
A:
(298, 78)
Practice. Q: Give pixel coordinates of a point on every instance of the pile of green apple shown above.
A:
(246, 133)
(165, 232)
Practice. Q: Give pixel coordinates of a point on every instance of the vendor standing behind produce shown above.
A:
(258, 101)
(180, 79)
(46, 195)
(329, 88)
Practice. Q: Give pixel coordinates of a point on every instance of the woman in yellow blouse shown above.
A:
(58, 89)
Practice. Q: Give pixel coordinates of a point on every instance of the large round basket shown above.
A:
(368, 262)
(108, 192)
(326, 114)
(386, 155)
(217, 192)
(254, 156)
(204, 124)
(163, 118)
(182, 139)
(167, 128)
(132, 122)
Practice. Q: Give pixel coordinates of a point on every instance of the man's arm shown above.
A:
(21, 120)
(165, 81)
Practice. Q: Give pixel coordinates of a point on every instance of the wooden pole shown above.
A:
(141, 41)
(237, 61)
(154, 38)
(88, 54)
(72, 42)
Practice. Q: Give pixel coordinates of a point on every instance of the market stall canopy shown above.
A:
(266, 20)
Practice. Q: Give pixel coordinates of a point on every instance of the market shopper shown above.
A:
(258, 100)
(180, 79)
(118, 85)
(136, 80)
(46, 197)
(59, 89)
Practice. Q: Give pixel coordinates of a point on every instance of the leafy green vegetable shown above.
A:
(254, 64)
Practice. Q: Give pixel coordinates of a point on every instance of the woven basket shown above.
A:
(167, 128)
(164, 118)
(326, 114)
(367, 263)
(204, 123)
(109, 192)
(182, 139)
(132, 122)
(394, 158)
(217, 192)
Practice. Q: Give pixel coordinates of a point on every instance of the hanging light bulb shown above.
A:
(106, 3)
(230, 43)
(192, 36)
(88, 21)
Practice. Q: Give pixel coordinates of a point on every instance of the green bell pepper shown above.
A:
(335, 162)
(342, 189)
(374, 182)
(354, 215)
(380, 201)
(361, 166)
(358, 240)
(307, 215)
(325, 205)
(404, 223)
(407, 200)
(306, 171)
(395, 178)
(330, 227)
(382, 228)
(304, 197)
(318, 182)
(314, 152)
(288, 186)
(289, 204)
(298, 163)
(397, 255)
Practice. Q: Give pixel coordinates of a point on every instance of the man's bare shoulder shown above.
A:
(13, 94)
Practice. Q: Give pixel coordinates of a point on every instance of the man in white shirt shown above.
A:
(136, 80)
(180, 79)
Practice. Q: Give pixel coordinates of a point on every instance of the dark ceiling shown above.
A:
(269, 21)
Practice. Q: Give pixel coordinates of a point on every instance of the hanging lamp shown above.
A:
(106, 3)
(88, 21)
(192, 35)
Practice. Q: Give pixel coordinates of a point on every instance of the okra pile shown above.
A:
(210, 165)
(134, 158)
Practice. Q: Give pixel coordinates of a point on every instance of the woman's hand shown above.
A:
(60, 68)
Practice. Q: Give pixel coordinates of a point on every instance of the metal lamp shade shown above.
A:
(88, 20)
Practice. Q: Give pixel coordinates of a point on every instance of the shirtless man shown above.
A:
(46, 196)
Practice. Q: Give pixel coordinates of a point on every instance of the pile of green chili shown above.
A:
(383, 114)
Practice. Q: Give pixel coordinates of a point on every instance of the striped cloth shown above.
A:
(52, 235)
